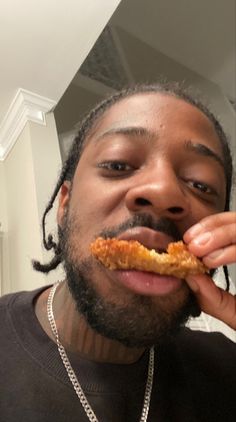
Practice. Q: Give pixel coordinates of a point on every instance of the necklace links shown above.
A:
(74, 380)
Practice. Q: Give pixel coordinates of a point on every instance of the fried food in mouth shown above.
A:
(118, 254)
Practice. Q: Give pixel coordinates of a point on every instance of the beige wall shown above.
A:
(30, 171)
(4, 267)
(3, 211)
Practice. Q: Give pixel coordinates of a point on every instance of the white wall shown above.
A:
(30, 171)
(23, 219)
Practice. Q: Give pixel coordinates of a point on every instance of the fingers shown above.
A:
(214, 239)
(213, 300)
(209, 223)
(223, 256)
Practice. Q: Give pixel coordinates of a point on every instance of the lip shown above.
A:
(147, 283)
(149, 238)
(143, 282)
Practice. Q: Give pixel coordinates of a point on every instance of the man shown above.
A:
(149, 164)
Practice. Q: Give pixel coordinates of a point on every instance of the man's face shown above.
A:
(149, 171)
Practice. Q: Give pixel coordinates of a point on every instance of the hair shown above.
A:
(67, 173)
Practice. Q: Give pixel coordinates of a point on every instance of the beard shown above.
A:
(135, 320)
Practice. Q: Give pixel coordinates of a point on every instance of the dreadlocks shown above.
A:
(69, 167)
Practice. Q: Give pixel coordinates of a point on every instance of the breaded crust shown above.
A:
(131, 255)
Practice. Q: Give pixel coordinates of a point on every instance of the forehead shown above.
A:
(161, 113)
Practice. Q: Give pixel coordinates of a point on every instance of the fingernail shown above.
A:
(194, 230)
(202, 239)
(215, 254)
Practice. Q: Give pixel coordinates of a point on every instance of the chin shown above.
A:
(131, 319)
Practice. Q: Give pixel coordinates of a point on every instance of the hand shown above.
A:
(214, 240)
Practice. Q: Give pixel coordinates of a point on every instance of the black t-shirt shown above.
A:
(195, 376)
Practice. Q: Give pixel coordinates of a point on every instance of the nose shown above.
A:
(160, 192)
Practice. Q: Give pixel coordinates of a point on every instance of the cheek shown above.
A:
(98, 199)
(93, 208)
(198, 210)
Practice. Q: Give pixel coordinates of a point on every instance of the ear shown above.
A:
(64, 197)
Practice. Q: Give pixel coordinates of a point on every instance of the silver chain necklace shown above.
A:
(71, 374)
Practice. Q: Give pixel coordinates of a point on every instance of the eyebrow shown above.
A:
(136, 131)
(204, 151)
(141, 132)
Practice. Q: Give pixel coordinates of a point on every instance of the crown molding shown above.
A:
(26, 106)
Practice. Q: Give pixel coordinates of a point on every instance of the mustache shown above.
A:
(163, 225)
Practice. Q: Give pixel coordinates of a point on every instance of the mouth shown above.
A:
(147, 283)
(149, 238)
(131, 255)
(144, 282)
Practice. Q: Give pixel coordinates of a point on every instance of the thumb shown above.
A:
(213, 300)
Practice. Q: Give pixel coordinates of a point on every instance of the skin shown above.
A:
(214, 240)
(157, 175)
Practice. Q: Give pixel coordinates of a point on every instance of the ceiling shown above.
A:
(200, 35)
(154, 40)
(43, 44)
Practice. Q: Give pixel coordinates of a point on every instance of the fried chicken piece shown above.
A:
(131, 255)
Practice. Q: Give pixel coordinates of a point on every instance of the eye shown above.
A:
(202, 187)
(116, 166)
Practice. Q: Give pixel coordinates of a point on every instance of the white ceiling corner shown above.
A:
(26, 106)
(41, 49)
